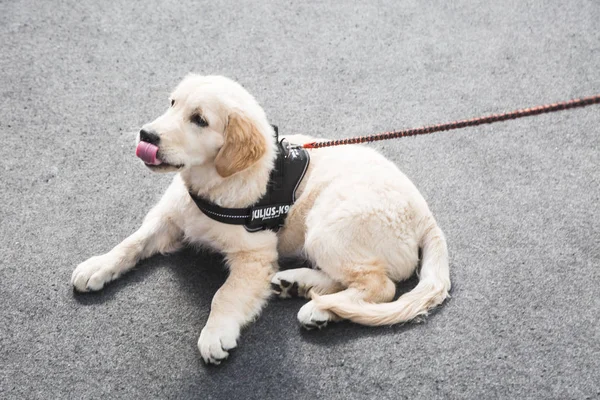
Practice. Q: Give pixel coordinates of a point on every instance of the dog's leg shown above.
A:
(365, 283)
(156, 235)
(237, 302)
(300, 281)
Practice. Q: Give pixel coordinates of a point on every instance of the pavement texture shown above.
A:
(518, 201)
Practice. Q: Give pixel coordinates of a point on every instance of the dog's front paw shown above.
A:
(216, 342)
(93, 274)
(311, 317)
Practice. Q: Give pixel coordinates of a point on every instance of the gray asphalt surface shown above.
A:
(518, 201)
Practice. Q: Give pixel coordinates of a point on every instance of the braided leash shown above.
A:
(524, 112)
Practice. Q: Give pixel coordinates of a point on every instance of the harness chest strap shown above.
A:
(271, 210)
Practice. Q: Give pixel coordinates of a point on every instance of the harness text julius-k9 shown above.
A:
(271, 210)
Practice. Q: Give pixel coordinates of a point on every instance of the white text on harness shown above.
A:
(270, 212)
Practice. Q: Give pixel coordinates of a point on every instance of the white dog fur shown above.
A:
(357, 218)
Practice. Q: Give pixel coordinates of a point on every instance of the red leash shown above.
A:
(524, 112)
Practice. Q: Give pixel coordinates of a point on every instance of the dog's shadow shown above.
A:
(200, 273)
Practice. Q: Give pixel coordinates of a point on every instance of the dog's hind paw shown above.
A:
(311, 317)
(284, 286)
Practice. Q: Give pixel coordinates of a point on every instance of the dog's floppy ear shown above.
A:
(244, 145)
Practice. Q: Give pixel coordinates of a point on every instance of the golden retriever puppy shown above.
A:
(357, 218)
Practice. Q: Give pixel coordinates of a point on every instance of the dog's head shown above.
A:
(211, 121)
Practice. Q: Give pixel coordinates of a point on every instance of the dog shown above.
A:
(359, 220)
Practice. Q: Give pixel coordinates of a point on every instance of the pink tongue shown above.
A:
(147, 152)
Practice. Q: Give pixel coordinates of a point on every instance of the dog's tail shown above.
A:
(431, 291)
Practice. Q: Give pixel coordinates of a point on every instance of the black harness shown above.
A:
(272, 209)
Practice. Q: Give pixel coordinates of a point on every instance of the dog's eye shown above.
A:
(198, 120)
(172, 103)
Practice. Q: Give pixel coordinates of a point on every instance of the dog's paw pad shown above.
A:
(314, 324)
(284, 283)
(276, 289)
(286, 289)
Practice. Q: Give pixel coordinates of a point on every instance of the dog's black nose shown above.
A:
(149, 137)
